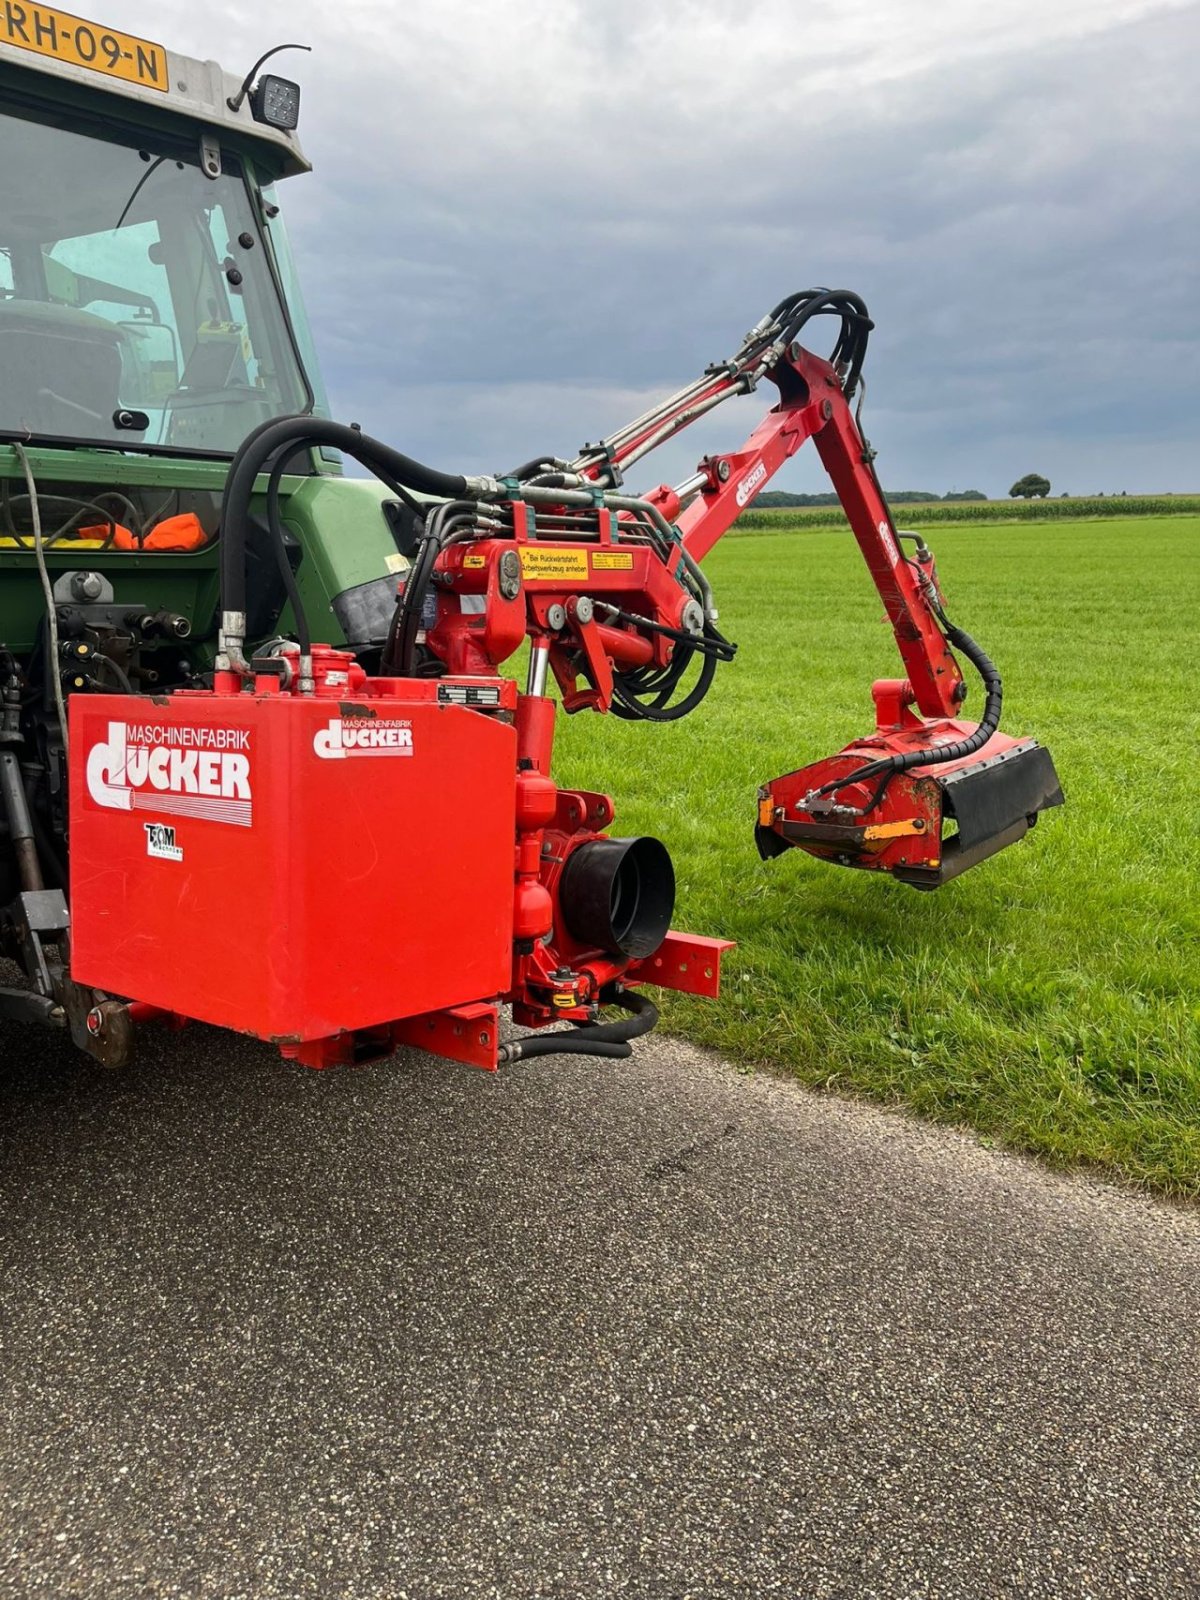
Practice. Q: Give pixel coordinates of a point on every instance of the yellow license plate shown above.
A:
(83, 44)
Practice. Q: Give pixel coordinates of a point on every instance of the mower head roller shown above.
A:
(879, 806)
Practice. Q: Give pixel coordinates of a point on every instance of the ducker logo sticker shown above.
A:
(365, 736)
(745, 489)
(185, 771)
(889, 544)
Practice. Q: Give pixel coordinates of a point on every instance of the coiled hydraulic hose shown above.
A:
(594, 1038)
(644, 694)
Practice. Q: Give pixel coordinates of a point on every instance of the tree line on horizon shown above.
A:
(1031, 487)
(897, 497)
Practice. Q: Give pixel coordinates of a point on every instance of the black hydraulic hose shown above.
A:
(710, 642)
(244, 450)
(851, 346)
(631, 708)
(401, 493)
(791, 301)
(400, 652)
(889, 766)
(117, 670)
(594, 1038)
(791, 314)
(534, 464)
(279, 544)
(297, 433)
(400, 655)
(642, 695)
(993, 704)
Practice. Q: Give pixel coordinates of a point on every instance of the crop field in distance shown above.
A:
(1051, 997)
(924, 514)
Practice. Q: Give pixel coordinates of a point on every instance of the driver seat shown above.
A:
(62, 370)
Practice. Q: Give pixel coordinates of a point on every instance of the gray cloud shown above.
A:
(526, 218)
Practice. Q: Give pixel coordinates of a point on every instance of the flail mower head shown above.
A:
(894, 803)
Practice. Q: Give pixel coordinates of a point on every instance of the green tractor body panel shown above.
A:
(343, 546)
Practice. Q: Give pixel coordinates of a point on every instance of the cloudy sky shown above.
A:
(526, 218)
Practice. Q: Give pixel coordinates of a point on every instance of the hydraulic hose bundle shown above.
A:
(644, 694)
(760, 354)
(275, 442)
(639, 695)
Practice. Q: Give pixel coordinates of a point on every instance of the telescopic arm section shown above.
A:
(814, 404)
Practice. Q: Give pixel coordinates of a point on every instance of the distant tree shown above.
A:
(965, 494)
(1031, 487)
(1065, 495)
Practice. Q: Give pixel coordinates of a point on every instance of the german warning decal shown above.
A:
(612, 560)
(184, 771)
(554, 561)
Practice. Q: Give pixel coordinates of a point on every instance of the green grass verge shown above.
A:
(923, 514)
(1050, 998)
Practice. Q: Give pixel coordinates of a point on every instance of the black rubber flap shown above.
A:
(989, 797)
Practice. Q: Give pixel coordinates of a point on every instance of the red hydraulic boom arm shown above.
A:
(814, 407)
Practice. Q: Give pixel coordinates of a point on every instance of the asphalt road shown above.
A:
(647, 1328)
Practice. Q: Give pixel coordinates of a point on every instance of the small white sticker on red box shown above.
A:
(161, 842)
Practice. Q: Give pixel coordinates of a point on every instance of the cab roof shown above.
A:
(54, 45)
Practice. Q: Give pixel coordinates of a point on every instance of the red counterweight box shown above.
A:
(291, 866)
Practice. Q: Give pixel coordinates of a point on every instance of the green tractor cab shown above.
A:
(149, 320)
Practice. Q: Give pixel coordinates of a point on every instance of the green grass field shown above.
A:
(1051, 997)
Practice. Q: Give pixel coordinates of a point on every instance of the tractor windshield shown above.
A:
(139, 304)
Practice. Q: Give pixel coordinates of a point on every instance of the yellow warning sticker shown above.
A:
(566, 564)
(612, 561)
(475, 561)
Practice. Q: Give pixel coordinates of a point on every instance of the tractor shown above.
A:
(261, 764)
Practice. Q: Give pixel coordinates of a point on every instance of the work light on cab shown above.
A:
(276, 101)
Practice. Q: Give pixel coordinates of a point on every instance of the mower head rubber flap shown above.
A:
(923, 823)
